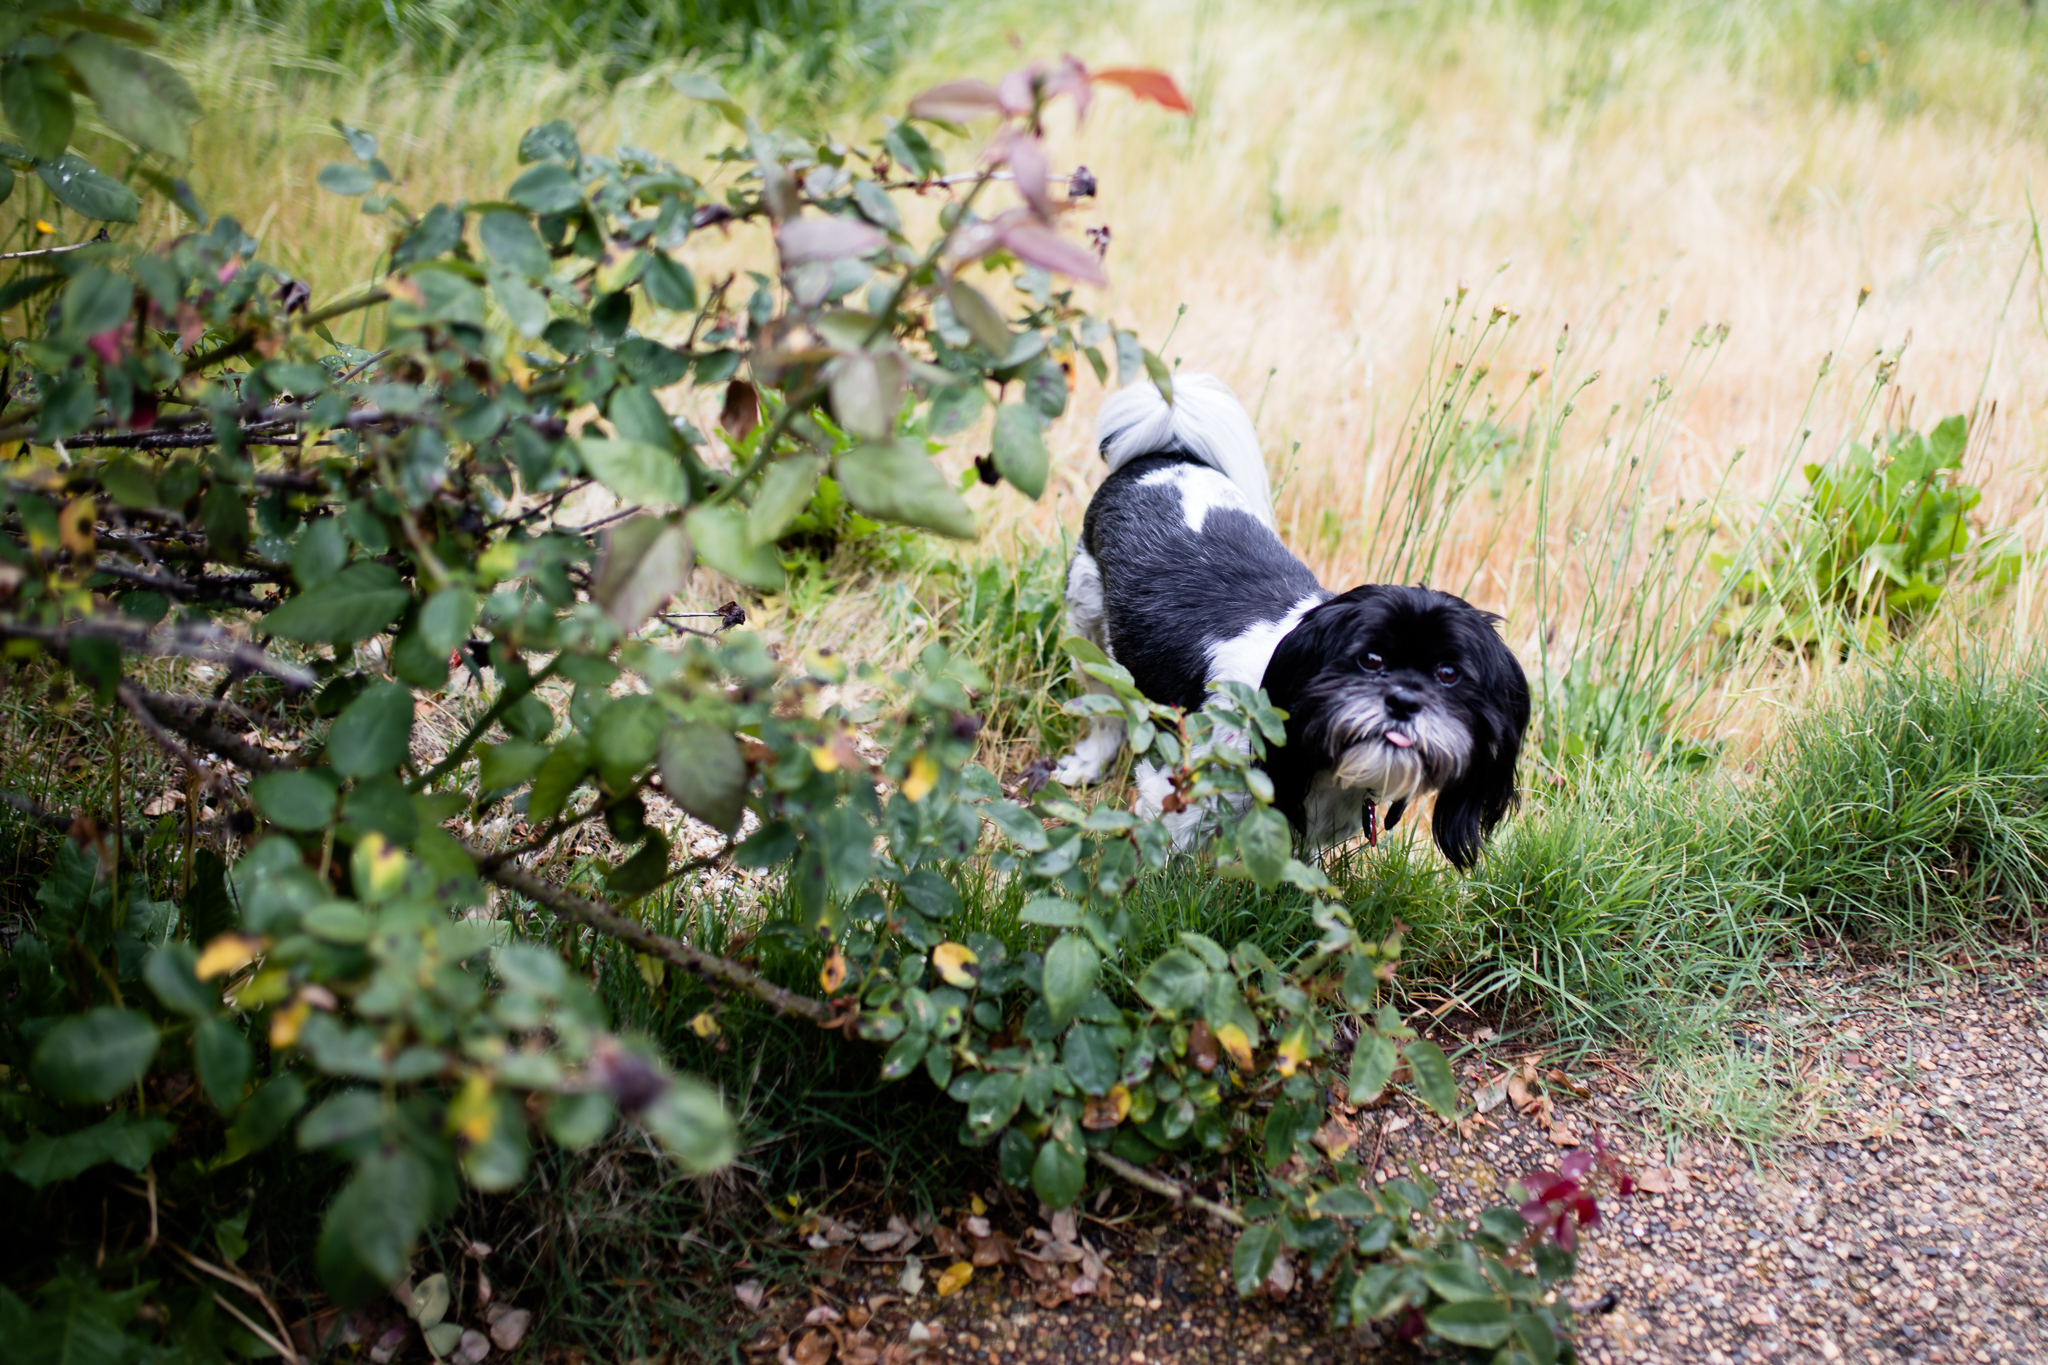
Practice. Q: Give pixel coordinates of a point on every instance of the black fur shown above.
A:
(1317, 667)
(1168, 593)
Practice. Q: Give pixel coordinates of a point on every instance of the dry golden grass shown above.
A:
(1345, 176)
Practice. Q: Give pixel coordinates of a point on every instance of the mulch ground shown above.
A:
(1911, 1224)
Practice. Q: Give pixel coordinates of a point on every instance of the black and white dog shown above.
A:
(1391, 692)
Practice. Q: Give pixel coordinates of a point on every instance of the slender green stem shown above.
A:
(507, 699)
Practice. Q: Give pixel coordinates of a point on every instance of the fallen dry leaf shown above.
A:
(950, 1244)
(992, 1250)
(1656, 1180)
(1490, 1097)
(750, 1293)
(508, 1325)
(911, 1281)
(955, 1279)
(812, 1348)
(1564, 1135)
(822, 1316)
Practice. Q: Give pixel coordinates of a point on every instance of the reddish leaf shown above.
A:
(1036, 244)
(1576, 1166)
(1026, 157)
(1147, 84)
(957, 102)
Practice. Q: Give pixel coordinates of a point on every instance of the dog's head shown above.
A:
(1400, 691)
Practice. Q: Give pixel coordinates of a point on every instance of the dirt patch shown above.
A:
(1912, 1227)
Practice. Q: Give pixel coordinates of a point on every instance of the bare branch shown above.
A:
(207, 643)
(609, 921)
(1171, 1189)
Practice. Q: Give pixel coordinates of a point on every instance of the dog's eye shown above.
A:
(1446, 675)
(1373, 663)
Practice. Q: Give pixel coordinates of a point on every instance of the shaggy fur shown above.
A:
(1392, 692)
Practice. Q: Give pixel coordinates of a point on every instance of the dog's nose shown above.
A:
(1402, 703)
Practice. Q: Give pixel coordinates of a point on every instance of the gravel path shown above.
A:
(1911, 1224)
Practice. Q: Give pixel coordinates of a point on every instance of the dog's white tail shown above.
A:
(1205, 421)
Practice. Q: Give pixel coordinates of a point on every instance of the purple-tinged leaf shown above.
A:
(1036, 244)
(826, 239)
(957, 102)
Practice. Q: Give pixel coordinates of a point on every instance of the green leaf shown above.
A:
(374, 734)
(367, 1238)
(294, 799)
(171, 972)
(1433, 1078)
(1343, 1201)
(124, 1140)
(904, 1055)
(1484, 1325)
(1176, 981)
(894, 481)
(557, 780)
(82, 188)
(264, 1116)
(1264, 843)
(1050, 910)
(642, 872)
(38, 105)
(92, 1057)
(355, 604)
(142, 97)
(668, 283)
(338, 922)
(646, 561)
(576, 1121)
(956, 408)
(983, 321)
(1020, 826)
(546, 188)
(1059, 1173)
(720, 534)
(509, 239)
(498, 1162)
(994, 1101)
(1258, 1247)
(222, 1057)
(446, 619)
(320, 553)
(509, 764)
(1090, 1058)
(1019, 450)
(341, 1118)
(345, 177)
(96, 299)
(1372, 1065)
(1071, 968)
(786, 489)
(691, 1122)
(703, 771)
(637, 472)
(1457, 1282)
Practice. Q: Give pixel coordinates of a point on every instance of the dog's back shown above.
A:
(1179, 576)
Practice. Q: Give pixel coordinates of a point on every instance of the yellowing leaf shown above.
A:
(472, 1116)
(652, 970)
(704, 1024)
(975, 1206)
(826, 758)
(228, 954)
(833, 975)
(955, 962)
(286, 1023)
(379, 868)
(74, 526)
(955, 1279)
(923, 776)
(1293, 1049)
(1237, 1043)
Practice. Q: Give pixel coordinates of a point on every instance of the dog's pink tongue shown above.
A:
(1399, 740)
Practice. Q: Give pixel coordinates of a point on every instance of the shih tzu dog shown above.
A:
(1391, 692)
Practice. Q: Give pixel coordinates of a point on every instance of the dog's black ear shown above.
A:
(1498, 712)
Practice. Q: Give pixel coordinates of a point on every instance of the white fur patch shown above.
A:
(1090, 761)
(1205, 420)
(1244, 657)
(1202, 490)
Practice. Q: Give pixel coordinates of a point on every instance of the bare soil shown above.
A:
(1909, 1223)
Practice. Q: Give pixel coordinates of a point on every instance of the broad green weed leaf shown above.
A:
(92, 1057)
